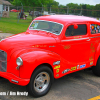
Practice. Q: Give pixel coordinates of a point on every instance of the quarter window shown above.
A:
(81, 30)
(94, 28)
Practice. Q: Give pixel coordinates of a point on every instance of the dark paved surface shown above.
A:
(81, 85)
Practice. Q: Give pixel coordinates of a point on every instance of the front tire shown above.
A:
(96, 69)
(40, 82)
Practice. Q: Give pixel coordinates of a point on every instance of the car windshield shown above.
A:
(52, 27)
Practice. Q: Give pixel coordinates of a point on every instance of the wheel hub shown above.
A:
(41, 81)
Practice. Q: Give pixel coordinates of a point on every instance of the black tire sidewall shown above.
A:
(96, 69)
(30, 87)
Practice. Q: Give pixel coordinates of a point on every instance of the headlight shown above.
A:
(19, 61)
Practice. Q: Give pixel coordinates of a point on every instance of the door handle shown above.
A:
(88, 40)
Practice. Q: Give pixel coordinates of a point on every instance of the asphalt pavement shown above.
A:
(81, 85)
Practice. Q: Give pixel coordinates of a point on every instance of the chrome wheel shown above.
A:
(41, 82)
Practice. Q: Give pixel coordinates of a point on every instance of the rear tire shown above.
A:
(40, 82)
(96, 69)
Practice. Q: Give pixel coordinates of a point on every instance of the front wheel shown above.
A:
(40, 82)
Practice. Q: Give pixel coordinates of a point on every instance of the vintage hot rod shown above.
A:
(52, 46)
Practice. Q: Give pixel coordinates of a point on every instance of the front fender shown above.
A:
(35, 58)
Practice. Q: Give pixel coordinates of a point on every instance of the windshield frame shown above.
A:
(46, 30)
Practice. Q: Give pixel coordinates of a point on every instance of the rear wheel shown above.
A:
(41, 81)
(96, 69)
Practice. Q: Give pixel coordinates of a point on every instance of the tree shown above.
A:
(73, 8)
(84, 12)
(52, 5)
(32, 3)
(96, 12)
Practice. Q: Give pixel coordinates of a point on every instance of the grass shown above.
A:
(13, 24)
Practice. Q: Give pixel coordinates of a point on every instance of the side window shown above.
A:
(81, 30)
(94, 28)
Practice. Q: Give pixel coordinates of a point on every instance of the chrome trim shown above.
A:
(51, 46)
(75, 39)
(3, 61)
(45, 30)
(14, 81)
(20, 60)
(65, 71)
(41, 82)
(95, 37)
(17, 67)
(88, 39)
(56, 63)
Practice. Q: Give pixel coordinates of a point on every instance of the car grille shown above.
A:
(3, 61)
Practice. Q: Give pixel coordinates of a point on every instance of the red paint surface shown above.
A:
(39, 47)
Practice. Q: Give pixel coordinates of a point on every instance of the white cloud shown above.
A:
(90, 2)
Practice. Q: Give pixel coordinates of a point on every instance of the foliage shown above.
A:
(97, 10)
(32, 3)
(71, 8)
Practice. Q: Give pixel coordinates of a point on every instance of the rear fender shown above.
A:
(97, 54)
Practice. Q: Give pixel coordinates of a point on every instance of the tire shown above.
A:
(40, 82)
(96, 69)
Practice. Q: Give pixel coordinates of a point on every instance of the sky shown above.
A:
(90, 2)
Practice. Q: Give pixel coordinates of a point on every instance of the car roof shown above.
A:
(67, 18)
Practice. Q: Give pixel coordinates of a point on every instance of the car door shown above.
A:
(76, 45)
(95, 37)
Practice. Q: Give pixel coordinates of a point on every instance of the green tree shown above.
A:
(32, 3)
(54, 7)
(73, 8)
(96, 12)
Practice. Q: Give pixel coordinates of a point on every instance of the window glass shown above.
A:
(81, 30)
(46, 26)
(94, 28)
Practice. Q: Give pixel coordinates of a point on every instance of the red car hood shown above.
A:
(23, 40)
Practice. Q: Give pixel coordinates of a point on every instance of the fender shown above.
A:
(97, 54)
(33, 59)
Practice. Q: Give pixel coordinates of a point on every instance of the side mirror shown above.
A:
(75, 26)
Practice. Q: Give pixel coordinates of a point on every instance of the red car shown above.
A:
(14, 10)
(53, 46)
